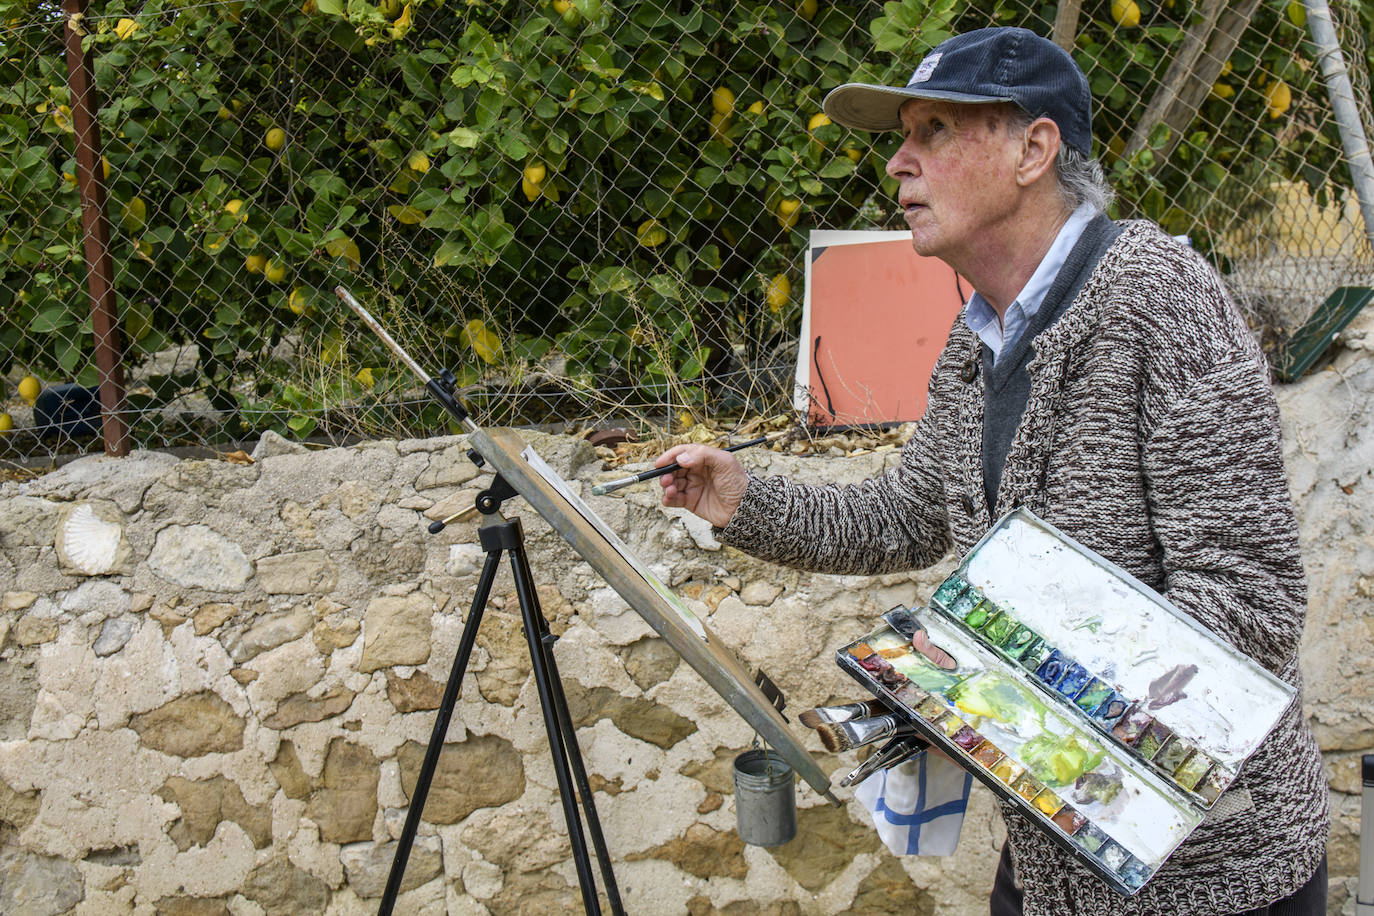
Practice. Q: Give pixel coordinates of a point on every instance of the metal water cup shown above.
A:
(765, 798)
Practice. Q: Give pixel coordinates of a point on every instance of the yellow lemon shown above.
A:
(418, 162)
(135, 215)
(69, 178)
(722, 100)
(756, 108)
(562, 6)
(254, 263)
(1222, 90)
(274, 271)
(854, 154)
(789, 211)
(125, 27)
(777, 292)
(275, 139)
(364, 377)
(808, 9)
(535, 172)
(817, 120)
(1277, 98)
(651, 233)
(105, 167)
(233, 207)
(6, 423)
(297, 301)
(224, 113)
(720, 123)
(1126, 13)
(29, 387)
(530, 190)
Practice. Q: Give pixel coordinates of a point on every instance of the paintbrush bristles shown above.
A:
(813, 718)
(845, 736)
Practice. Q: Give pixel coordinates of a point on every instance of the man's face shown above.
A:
(956, 174)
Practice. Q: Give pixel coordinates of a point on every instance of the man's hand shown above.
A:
(710, 483)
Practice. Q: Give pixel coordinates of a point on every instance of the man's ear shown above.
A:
(1039, 148)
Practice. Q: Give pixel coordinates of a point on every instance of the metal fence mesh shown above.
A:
(589, 211)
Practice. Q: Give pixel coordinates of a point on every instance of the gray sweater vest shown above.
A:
(1006, 386)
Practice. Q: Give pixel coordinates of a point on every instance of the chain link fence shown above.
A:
(590, 211)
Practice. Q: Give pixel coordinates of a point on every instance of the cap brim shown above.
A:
(863, 106)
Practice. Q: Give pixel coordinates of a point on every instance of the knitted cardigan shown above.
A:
(1151, 436)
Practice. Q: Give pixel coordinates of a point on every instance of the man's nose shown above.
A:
(903, 162)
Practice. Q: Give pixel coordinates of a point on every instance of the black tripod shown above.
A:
(498, 535)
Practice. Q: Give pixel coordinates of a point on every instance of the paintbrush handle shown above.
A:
(898, 750)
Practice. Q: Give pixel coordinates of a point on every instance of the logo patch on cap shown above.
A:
(926, 68)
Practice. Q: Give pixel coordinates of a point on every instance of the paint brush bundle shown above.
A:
(1109, 718)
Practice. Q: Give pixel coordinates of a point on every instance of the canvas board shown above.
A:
(558, 502)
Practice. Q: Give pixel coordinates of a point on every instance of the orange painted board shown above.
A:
(876, 316)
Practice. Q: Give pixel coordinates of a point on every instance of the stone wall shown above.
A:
(217, 681)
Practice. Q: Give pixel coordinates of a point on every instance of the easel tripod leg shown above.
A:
(573, 752)
(436, 738)
(535, 627)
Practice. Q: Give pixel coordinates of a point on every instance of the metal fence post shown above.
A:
(1343, 107)
(95, 232)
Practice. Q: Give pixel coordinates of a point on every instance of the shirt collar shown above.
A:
(980, 316)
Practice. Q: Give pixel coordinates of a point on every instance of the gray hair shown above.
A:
(1080, 177)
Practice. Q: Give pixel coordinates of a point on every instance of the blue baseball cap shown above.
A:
(988, 65)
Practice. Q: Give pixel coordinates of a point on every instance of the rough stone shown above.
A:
(481, 772)
(18, 697)
(334, 632)
(191, 726)
(28, 522)
(503, 636)
(344, 805)
(269, 632)
(18, 809)
(516, 838)
(208, 617)
(635, 716)
(280, 887)
(115, 633)
(271, 444)
(34, 631)
(760, 593)
(717, 774)
(301, 707)
(286, 769)
(192, 906)
(356, 498)
(701, 851)
(414, 693)
(38, 885)
(650, 661)
(889, 889)
(309, 572)
(205, 803)
(396, 631)
(17, 601)
(702, 906)
(827, 841)
(535, 895)
(195, 556)
(368, 865)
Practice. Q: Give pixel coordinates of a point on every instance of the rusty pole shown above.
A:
(96, 232)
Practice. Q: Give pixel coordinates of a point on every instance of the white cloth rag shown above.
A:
(918, 806)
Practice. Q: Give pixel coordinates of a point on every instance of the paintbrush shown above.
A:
(602, 489)
(898, 750)
(843, 713)
(845, 736)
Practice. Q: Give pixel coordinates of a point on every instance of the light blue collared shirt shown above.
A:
(1000, 335)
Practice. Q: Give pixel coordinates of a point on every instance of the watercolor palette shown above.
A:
(1109, 718)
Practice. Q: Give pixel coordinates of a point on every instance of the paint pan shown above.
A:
(1081, 697)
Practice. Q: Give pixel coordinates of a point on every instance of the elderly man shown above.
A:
(1100, 376)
